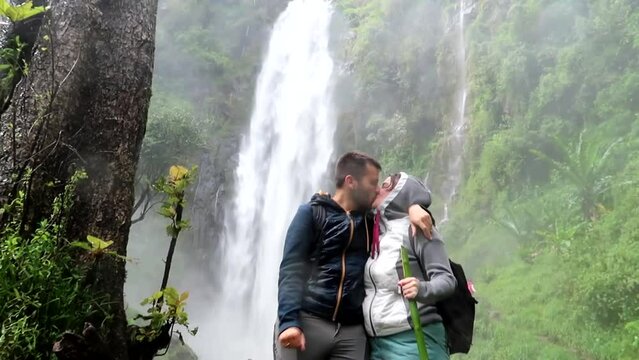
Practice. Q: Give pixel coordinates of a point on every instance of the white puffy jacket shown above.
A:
(385, 309)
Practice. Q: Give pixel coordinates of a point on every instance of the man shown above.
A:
(321, 285)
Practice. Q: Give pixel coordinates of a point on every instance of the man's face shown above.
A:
(365, 189)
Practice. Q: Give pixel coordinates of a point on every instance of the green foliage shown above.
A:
(11, 66)
(393, 60)
(585, 165)
(173, 134)
(41, 292)
(173, 188)
(97, 247)
(167, 306)
(20, 12)
(631, 345)
(208, 55)
(171, 312)
(551, 160)
(609, 255)
(523, 314)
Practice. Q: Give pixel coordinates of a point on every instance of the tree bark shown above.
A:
(84, 104)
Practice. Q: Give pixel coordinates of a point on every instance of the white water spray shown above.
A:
(456, 140)
(281, 164)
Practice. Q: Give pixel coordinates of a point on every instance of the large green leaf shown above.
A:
(20, 12)
(98, 244)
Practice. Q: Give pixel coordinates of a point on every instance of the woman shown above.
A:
(386, 311)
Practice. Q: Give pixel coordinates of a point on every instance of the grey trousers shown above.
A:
(325, 340)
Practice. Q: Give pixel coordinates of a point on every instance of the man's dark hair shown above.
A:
(354, 164)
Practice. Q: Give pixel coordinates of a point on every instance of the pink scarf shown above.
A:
(375, 246)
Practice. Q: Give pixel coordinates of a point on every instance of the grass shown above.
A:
(524, 313)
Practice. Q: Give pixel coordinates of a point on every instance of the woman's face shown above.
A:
(387, 187)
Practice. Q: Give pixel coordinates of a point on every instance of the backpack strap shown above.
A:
(319, 219)
(412, 239)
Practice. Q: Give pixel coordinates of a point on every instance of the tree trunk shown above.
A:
(84, 104)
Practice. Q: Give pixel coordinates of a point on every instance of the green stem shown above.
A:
(169, 257)
(414, 313)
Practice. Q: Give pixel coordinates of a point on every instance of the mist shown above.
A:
(522, 122)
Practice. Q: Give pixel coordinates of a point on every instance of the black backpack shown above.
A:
(457, 311)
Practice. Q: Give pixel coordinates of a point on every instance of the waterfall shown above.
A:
(282, 162)
(455, 144)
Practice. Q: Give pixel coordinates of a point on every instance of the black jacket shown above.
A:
(322, 274)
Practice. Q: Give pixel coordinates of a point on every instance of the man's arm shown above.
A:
(419, 200)
(294, 268)
(421, 218)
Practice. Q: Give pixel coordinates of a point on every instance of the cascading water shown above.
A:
(455, 148)
(282, 162)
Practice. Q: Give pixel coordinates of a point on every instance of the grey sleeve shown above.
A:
(441, 282)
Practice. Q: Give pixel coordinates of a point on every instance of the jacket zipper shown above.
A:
(370, 308)
(368, 242)
(340, 290)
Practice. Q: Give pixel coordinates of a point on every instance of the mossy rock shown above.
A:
(179, 351)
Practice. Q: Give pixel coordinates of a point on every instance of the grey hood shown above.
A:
(408, 191)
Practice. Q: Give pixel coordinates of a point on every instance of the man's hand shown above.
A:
(420, 218)
(293, 338)
(410, 287)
